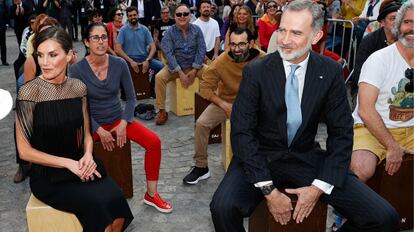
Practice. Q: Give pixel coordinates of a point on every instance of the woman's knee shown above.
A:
(153, 142)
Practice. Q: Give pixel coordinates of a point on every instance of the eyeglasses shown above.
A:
(97, 16)
(120, 14)
(184, 14)
(165, 12)
(241, 45)
(271, 6)
(96, 38)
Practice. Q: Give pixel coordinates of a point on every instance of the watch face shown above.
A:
(266, 190)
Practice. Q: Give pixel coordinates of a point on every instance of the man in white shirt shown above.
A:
(384, 115)
(210, 29)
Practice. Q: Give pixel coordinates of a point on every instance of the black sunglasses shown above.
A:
(185, 14)
(120, 14)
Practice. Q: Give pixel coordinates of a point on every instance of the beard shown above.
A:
(206, 14)
(241, 57)
(133, 21)
(407, 43)
(294, 54)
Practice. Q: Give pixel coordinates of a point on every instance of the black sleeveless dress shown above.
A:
(52, 120)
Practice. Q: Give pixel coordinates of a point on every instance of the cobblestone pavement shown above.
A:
(191, 203)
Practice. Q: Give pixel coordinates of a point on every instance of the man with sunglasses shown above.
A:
(220, 85)
(384, 115)
(184, 47)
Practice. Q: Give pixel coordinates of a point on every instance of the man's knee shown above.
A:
(363, 164)
(221, 206)
(201, 123)
(386, 218)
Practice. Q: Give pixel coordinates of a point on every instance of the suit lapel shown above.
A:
(278, 80)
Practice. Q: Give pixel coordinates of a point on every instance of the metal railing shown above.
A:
(346, 48)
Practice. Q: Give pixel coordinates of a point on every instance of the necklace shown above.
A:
(100, 71)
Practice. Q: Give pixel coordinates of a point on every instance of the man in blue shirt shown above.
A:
(133, 42)
(184, 47)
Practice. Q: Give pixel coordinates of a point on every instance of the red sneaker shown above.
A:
(157, 202)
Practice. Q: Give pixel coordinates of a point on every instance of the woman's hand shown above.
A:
(73, 166)
(87, 166)
(120, 131)
(106, 139)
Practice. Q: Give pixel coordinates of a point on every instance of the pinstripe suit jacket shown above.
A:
(258, 119)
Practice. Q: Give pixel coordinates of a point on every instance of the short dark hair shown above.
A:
(204, 1)
(91, 26)
(130, 9)
(112, 12)
(239, 31)
(55, 33)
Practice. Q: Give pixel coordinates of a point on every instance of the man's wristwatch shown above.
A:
(267, 189)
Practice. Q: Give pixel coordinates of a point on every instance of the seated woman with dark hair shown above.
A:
(52, 130)
(104, 75)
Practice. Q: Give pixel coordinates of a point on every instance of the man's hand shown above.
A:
(307, 199)
(120, 131)
(191, 76)
(134, 66)
(394, 158)
(279, 206)
(145, 66)
(106, 139)
(183, 79)
(227, 108)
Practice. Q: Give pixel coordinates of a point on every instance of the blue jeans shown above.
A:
(155, 64)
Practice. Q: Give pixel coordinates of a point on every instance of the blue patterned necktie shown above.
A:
(294, 114)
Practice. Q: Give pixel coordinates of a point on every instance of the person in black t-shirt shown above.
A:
(160, 28)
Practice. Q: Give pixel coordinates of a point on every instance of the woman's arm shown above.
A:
(28, 153)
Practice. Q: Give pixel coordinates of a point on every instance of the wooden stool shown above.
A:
(118, 165)
(397, 189)
(227, 152)
(43, 218)
(182, 100)
(262, 221)
(200, 104)
(141, 83)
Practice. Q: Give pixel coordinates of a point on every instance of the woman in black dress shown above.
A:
(52, 127)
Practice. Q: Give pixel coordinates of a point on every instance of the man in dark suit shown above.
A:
(20, 12)
(193, 4)
(274, 123)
